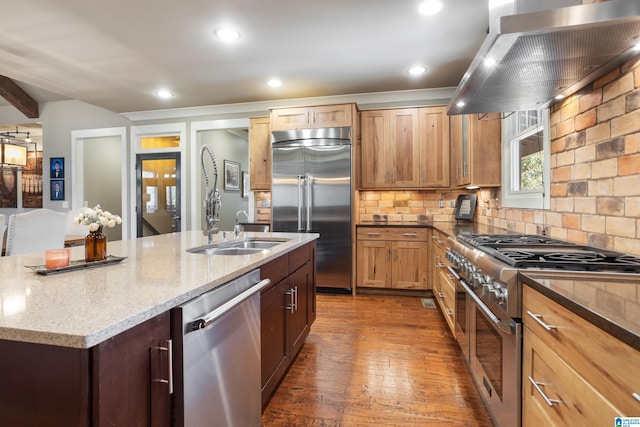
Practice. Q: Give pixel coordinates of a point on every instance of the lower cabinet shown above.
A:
(287, 310)
(570, 378)
(395, 258)
(121, 381)
(444, 289)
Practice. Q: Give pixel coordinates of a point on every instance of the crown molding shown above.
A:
(405, 98)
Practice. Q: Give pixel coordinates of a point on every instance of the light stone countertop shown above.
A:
(82, 308)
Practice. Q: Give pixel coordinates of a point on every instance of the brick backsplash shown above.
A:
(595, 168)
(407, 205)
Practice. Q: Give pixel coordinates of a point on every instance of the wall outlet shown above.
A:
(441, 203)
(452, 203)
(542, 230)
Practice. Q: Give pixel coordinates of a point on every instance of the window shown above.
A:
(525, 160)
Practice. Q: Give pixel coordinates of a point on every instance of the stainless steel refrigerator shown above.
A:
(311, 192)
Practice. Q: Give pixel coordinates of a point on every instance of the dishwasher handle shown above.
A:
(210, 317)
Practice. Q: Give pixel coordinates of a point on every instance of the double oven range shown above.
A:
(488, 308)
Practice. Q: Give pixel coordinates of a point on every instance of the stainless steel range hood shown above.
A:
(541, 55)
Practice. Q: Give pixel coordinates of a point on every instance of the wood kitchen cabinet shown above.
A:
(313, 117)
(589, 376)
(260, 154)
(121, 381)
(443, 284)
(475, 151)
(405, 148)
(287, 311)
(393, 258)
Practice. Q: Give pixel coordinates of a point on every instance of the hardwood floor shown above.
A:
(377, 361)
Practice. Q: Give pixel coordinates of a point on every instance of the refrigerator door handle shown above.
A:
(300, 198)
(309, 199)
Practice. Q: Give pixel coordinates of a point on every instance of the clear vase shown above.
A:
(95, 246)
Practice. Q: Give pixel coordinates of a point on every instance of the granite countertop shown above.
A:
(610, 302)
(450, 228)
(82, 308)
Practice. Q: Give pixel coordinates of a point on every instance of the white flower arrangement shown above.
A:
(96, 218)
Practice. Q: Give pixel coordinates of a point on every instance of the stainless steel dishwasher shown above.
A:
(217, 356)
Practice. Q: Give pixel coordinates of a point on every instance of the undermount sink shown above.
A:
(237, 247)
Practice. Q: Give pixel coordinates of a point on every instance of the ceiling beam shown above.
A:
(17, 97)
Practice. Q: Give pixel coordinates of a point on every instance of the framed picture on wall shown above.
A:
(56, 166)
(231, 176)
(245, 185)
(57, 189)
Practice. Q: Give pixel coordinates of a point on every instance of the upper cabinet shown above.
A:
(405, 148)
(434, 147)
(259, 154)
(475, 146)
(322, 116)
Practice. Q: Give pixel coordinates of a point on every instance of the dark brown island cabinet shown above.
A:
(288, 309)
(122, 381)
(125, 380)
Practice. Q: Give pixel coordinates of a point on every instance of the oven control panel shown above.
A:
(486, 287)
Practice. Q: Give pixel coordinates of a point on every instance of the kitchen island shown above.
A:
(66, 339)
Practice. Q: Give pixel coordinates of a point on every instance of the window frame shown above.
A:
(527, 199)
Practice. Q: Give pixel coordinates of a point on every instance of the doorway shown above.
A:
(158, 207)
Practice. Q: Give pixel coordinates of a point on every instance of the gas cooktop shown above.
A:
(530, 251)
(523, 239)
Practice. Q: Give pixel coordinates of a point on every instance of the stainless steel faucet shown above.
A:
(212, 202)
(236, 228)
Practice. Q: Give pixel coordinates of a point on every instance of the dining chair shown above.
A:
(73, 229)
(36, 230)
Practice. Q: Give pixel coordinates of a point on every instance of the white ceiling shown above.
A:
(117, 53)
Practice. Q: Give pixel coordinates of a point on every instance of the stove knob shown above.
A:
(478, 279)
(486, 290)
(495, 295)
(501, 298)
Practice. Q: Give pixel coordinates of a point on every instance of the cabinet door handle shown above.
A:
(291, 307)
(537, 385)
(169, 350)
(410, 234)
(449, 312)
(295, 294)
(441, 294)
(636, 396)
(538, 319)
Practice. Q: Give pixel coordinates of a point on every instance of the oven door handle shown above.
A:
(502, 325)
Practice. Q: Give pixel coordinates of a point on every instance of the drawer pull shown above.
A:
(409, 234)
(441, 294)
(449, 312)
(537, 385)
(369, 233)
(636, 396)
(537, 318)
(441, 265)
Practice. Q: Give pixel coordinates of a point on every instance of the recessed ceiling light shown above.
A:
(430, 7)
(417, 70)
(164, 93)
(227, 34)
(559, 97)
(274, 83)
(460, 104)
